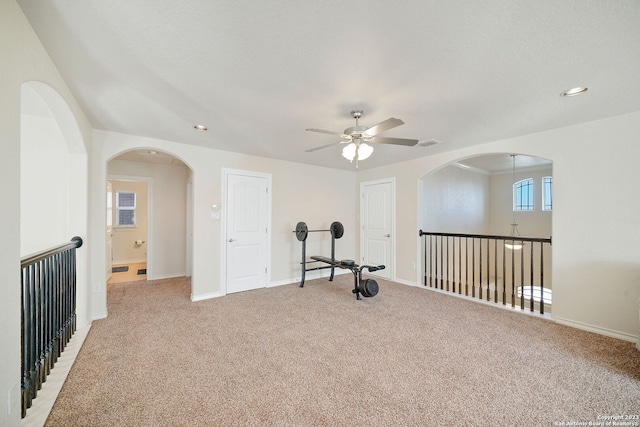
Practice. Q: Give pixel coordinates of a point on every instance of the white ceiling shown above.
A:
(257, 73)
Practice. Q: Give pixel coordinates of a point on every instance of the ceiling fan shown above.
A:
(358, 138)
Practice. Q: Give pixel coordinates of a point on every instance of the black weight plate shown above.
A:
(302, 231)
(337, 229)
(369, 288)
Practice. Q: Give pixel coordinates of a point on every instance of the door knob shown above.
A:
(387, 235)
(232, 240)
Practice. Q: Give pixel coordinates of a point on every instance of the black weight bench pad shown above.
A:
(345, 263)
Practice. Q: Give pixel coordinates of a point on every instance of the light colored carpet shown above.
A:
(290, 356)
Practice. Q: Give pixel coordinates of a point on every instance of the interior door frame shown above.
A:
(392, 215)
(226, 172)
(149, 181)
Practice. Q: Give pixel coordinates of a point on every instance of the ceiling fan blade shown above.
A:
(395, 141)
(323, 146)
(383, 126)
(342, 135)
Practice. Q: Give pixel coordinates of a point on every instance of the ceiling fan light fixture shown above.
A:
(364, 151)
(349, 151)
(359, 139)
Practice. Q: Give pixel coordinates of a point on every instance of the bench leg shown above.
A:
(355, 283)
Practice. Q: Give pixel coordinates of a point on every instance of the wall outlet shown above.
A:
(413, 265)
(97, 287)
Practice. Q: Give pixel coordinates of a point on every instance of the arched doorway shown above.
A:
(474, 197)
(165, 244)
(53, 180)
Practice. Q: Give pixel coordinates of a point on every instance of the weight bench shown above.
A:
(366, 287)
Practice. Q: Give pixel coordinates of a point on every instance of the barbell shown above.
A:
(302, 231)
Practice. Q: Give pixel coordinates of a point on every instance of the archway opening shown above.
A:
(164, 208)
(467, 210)
(53, 180)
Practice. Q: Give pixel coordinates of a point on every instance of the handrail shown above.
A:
(28, 260)
(488, 267)
(489, 236)
(48, 293)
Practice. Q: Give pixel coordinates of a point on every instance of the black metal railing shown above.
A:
(48, 313)
(502, 269)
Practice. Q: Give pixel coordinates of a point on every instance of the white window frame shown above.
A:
(126, 208)
(544, 193)
(518, 186)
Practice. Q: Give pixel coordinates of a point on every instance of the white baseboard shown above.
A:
(39, 411)
(597, 329)
(195, 298)
(282, 283)
(165, 276)
(546, 316)
(404, 282)
(128, 261)
(99, 316)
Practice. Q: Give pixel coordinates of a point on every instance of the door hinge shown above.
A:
(265, 270)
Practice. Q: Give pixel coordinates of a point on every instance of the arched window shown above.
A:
(523, 195)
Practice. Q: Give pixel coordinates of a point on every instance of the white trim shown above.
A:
(283, 283)
(543, 193)
(196, 298)
(166, 276)
(470, 168)
(311, 275)
(392, 181)
(99, 316)
(128, 261)
(149, 181)
(189, 236)
(419, 222)
(500, 306)
(47, 395)
(596, 329)
(226, 172)
(405, 282)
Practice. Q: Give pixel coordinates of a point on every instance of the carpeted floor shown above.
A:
(314, 356)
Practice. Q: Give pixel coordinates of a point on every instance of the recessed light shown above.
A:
(575, 91)
(200, 127)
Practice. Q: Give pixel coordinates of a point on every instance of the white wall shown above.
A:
(536, 223)
(44, 171)
(455, 200)
(167, 229)
(312, 194)
(596, 258)
(24, 60)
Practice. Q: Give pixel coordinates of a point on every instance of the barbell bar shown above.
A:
(302, 231)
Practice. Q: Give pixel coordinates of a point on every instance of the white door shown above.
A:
(109, 236)
(377, 214)
(247, 232)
